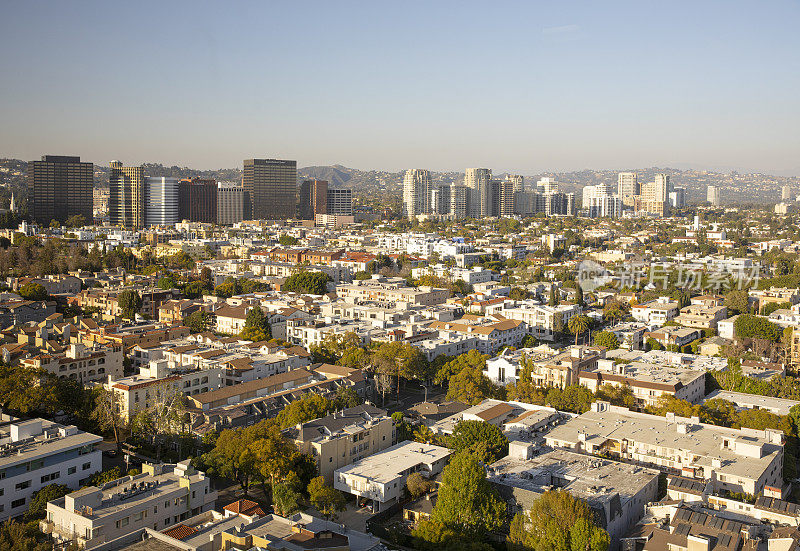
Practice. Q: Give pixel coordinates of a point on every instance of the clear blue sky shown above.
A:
(519, 86)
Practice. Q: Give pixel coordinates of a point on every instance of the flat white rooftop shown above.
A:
(385, 466)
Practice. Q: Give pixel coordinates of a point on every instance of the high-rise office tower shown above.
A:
(313, 199)
(339, 202)
(198, 200)
(416, 192)
(60, 187)
(507, 193)
(786, 193)
(230, 203)
(518, 182)
(459, 201)
(161, 201)
(599, 202)
(663, 187)
(126, 206)
(479, 181)
(713, 196)
(628, 187)
(271, 186)
(677, 198)
(547, 185)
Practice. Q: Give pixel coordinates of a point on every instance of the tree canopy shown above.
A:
(483, 440)
(312, 283)
(557, 522)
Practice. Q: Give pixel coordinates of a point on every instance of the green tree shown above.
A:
(256, 326)
(38, 503)
(199, 321)
(286, 498)
(470, 386)
(130, 303)
(313, 283)
(557, 522)
(287, 240)
(578, 325)
(167, 282)
(483, 440)
(15, 536)
(33, 291)
(737, 301)
(417, 485)
(748, 326)
(467, 503)
(312, 406)
(325, 499)
(471, 359)
(606, 339)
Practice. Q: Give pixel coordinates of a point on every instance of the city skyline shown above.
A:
(548, 88)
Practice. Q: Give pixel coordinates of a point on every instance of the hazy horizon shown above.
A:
(516, 87)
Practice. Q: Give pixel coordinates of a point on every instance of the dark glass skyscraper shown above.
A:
(271, 186)
(59, 187)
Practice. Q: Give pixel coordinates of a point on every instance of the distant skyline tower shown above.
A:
(507, 192)
(518, 182)
(416, 192)
(547, 185)
(339, 202)
(786, 192)
(628, 187)
(313, 198)
(126, 196)
(271, 186)
(59, 187)
(161, 200)
(479, 181)
(197, 199)
(713, 195)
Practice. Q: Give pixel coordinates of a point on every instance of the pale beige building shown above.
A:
(343, 437)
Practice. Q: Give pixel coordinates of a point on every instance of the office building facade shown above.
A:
(339, 202)
(313, 199)
(628, 187)
(198, 200)
(230, 203)
(713, 196)
(416, 192)
(161, 200)
(60, 187)
(271, 186)
(126, 206)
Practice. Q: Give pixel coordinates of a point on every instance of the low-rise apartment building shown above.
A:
(736, 460)
(491, 334)
(648, 376)
(544, 322)
(343, 437)
(698, 316)
(161, 496)
(19, 312)
(614, 491)
(391, 290)
(673, 337)
(36, 453)
(380, 479)
(82, 363)
(655, 312)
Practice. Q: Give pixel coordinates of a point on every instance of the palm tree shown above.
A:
(578, 325)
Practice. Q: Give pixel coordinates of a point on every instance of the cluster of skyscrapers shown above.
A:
(61, 187)
(481, 195)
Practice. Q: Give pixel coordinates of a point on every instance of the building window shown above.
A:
(23, 485)
(86, 466)
(72, 470)
(18, 503)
